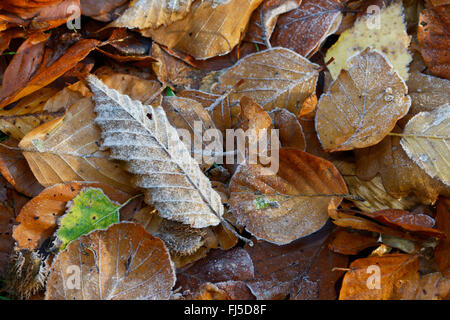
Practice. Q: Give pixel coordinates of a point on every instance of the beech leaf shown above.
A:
(154, 153)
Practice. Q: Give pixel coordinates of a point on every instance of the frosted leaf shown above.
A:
(122, 262)
(142, 136)
(362, 105)
(144, 14)
(426, 142)
(290, 204)
(210, 28)
(276, 77)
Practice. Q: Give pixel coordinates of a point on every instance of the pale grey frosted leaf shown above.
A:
(142, 136)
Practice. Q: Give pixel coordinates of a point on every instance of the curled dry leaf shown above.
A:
(175, 72)
(362, 105)
(306, 28)
(16, 170)
(425, 140)
(302, 269)
(67, 149)
(264, 19)
(38, 219)
(397, 272)
(33, 74)
(276, 77)
(172, 180)
(351, 242)
(289, 204)
(417, 223)
(211, 28)
(122, 262)
(399, 174)
(389, 37)
(433, 35)
(143, 14)
(442, 251)
(290, 131)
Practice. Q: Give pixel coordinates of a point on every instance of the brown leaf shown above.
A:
(350, 242)
(442, 251)
(175, 72)
(16, 170)
(400, 175)
(306, 28)
(276, 77)
(210, 28)
(290, 130)
(433, 35)
(289, 204)
(396, 271)
(103, 11)
(302, 269)
(39, 75)
(28, 113)
(226, 290)
(264, 19)
(362, 105)
(38, 219)
(122, 262)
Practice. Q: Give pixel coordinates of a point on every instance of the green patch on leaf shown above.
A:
(263, 203)
(169, 92)
(90, 210)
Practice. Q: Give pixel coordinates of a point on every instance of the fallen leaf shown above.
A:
(304, 29)
(43, 69)
(38, 219)
(395, 271)
(28, 114)
(16, 170)
(433, 35)
(427, 93)
(399, 174)
(172, 180)
(195, 121)
(90, 210)
(290, 130)
(122, 262)
(425, 142)
(302, 269)
(67, 149)
(276, 77)
(289, 204)
(264, 19)
(351, 242)
(211, 28)
(143, 14)
(385, 32)
(362, 105)
(175, 72)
